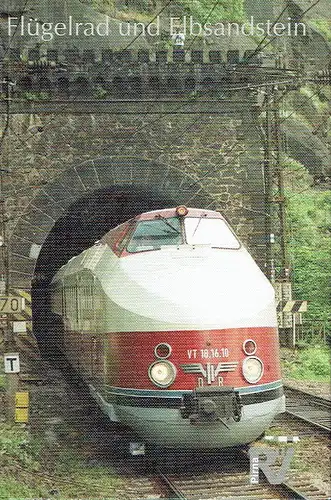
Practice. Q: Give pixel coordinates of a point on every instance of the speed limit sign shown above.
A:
(11, 304)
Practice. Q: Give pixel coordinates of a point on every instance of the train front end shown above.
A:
(193, 342)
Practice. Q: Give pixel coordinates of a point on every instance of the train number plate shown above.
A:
(223, 352)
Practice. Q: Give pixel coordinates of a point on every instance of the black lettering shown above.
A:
(11, 361)
(14, 305)
(4, 303)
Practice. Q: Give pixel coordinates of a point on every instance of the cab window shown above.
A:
(213, 232)
(152, 234)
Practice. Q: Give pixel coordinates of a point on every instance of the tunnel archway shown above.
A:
(71, 213)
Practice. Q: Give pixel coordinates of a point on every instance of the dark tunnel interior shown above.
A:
(86, 221)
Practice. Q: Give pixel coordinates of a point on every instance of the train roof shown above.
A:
(172, 212)
(88, 256)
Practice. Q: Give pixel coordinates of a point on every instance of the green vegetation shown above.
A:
(309, 106)
(2, 376)
(18, 454)
(203, 10)
(103, 5)
(16, 490)
(311, 363)
(16, 447)
(100, 92)
(309, 217)
(35, 96)
(323, 26)
(315, 99)
(28, 469)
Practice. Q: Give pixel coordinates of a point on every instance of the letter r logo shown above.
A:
(265, 459)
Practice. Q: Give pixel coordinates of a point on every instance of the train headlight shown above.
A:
(162, 373)
(252, 369)
(249, 347)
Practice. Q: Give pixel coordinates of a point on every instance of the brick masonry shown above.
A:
(202, 160)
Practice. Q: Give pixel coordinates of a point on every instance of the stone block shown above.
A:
(197, 56)
(88, 56)
(161, 56)
(215, 57)
(233, 57)
(107, 56)
(123, 56)
(88, 175)
(52, 55)
(143, 56)
(33, 54)
(14, 54)
(251, 57)
(178, 56)
(72, 56)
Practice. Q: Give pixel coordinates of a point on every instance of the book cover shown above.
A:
(165, 249)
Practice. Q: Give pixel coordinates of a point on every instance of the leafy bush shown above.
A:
(105, 6)
(35, 96)
(224, 11)
(309, 224)
(310, 364)
(323, 26)
(316, 360)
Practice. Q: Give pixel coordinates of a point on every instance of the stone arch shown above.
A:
(156, 185)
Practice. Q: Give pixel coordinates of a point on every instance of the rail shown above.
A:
(230, 481)
(314, 410)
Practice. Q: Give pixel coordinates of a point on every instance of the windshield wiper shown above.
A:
(196, 227)
(168, 224)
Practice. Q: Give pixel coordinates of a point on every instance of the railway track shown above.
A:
(233, 486)
(225, 484)
(312, 409)
(196, 476)
(231, 481)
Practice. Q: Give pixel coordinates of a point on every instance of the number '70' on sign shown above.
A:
(11, 304)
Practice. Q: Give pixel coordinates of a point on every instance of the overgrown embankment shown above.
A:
(309, 231)
(201, 10)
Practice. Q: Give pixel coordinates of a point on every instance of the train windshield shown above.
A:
(213, 232)
(152, 234)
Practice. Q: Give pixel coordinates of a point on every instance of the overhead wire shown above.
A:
(256, 50)
(160, 115)
(139, 34)
(275, 36)
(158, 118)
(264, 84)
(156, 16)
(248, 86)
(150, 22)
(178, 109)
(206, 19)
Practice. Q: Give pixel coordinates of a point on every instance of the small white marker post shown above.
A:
(12, 369)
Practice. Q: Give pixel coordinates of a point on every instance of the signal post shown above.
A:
(12, 369)
(9, 305)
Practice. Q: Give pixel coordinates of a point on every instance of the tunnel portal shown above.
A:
(42, 243)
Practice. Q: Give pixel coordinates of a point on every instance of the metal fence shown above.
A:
(314, 331)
